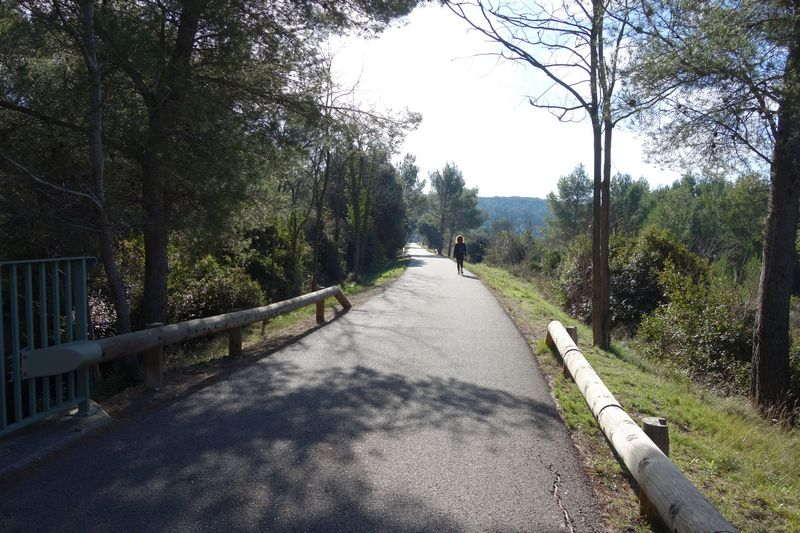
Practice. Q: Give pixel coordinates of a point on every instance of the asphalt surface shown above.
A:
(420, 410)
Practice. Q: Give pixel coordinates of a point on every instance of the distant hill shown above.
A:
(523, 213)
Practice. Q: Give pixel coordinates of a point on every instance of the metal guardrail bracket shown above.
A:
(59, 359)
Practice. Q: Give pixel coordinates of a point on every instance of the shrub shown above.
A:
(704, 327)
(208, 288)
(270, 263)
(550, 260)
(477, 247)
(635, 267)
(575, 278)
(507, 248)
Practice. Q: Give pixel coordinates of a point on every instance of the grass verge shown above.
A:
(748, 467)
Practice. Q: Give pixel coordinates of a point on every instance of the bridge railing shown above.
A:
(43, 303)
(150, 342)
(681, 507)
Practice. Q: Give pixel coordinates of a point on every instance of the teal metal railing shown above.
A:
(42, 303)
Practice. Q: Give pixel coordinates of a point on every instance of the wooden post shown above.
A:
(153, 363)
(321, 312)
(655, 428)
(678, 503)
(235, 341)
(573, 332)
(342, 299)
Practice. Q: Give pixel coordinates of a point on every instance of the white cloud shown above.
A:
(474, 107)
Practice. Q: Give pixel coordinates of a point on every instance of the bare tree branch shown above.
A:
(47, 183)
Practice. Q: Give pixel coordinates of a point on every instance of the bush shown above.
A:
(507, 248)
(271, 264)
(208, 288)
(635, 267)
(704, 327)
(550, 260)
(575, 278)
(477, 247)
(431, 236)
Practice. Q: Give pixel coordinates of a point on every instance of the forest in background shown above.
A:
(523, 213)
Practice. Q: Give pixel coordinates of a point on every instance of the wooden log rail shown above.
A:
(679, 504)
(151, 341)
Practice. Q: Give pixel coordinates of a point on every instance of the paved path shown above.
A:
(422, 410)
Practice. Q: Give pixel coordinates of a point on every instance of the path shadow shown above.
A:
(273, 448)
(415, 261)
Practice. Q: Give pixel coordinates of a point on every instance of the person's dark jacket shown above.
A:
(460, 250)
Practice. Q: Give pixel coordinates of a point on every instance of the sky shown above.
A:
(474, 108)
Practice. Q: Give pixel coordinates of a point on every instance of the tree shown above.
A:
(464, 215)
(72, 25)
(430, 233)
(246, 65)
(734, 72)
(571, 208)
(413, 194)
(448, 185)
(629, 206)
(581, 48)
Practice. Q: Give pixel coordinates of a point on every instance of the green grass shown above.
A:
(390, 272)
(748, 467)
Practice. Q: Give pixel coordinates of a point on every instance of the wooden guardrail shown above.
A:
(151, 341)
(679, 504)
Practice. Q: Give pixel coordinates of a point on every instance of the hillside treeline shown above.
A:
(685, 262)
(200, 150)
(523, 213)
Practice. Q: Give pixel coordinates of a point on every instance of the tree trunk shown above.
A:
(598, 309)
(165, 110)
(97, 162)
(156, 238)
(443, 201)
(599, 252)
(355, 192)
(116, 285)
(449, 243)
(771, 343)
(604, 318)
(319, 206)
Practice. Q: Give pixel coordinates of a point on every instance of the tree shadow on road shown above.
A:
(273, 448)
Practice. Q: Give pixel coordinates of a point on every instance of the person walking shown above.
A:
(459, 252)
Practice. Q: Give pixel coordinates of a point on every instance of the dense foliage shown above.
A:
(200, 149)
(684, 266)
(705, 327)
